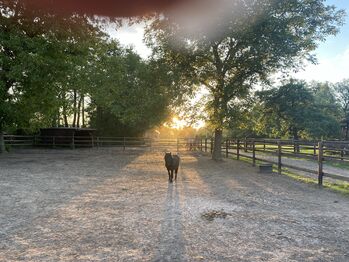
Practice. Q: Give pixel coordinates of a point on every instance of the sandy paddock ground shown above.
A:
(110, 205)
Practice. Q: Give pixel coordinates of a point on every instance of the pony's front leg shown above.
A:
(176, 171)
(171, 179)
(169, 174)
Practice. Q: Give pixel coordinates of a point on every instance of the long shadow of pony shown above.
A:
(171, 244)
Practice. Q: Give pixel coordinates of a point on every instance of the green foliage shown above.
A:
(40, 55)
(132, 96)
(255, 39)
(54, 69)
(342, 92)
(264, 37)
(325, 99)
(294, 110)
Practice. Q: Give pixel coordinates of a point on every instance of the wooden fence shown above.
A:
(18, 141)
(274, 151)
(73, 142)
(254, 149)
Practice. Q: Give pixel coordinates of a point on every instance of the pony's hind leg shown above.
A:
(176, 171)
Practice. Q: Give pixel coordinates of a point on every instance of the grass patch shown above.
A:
(339, 187)
(343, 165)
(338, 165)
(249, 160)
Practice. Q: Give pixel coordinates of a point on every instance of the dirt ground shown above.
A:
(110, 205)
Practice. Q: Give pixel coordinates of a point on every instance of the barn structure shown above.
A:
(66, 136)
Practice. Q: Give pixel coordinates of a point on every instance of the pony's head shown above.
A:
(168, 154)
(168, 158)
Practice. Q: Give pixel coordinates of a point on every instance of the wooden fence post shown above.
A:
(73, 142)
(206, 145)
(314, 149)
(320, 161)
(245, 145)
(98, 142)
(279, 157)
(2, 143)
(124, 143)
(253, 152)
(238, 149)
(53, 142)
(227, 148)
(264, 147)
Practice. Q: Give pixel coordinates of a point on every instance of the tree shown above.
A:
(325, 99)
(43, 57)
(342, 90)
(261, 38)
(242, 118)
(291, 110)
(51, 64)
(131, 97)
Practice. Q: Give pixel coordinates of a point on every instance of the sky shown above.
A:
(332, 55)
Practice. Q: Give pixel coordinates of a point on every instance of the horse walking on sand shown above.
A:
(172, 165)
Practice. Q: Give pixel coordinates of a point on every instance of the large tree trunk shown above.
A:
(79, 112)
(83, 110)
(347, 131)
(2, 143)
(296, 138)
(74, 107)
(64, 111)
(55, 120)
(65, 119)
(217, 148)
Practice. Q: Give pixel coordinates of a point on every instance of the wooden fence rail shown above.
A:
(96, 142)
(319, 151)
(254, 149)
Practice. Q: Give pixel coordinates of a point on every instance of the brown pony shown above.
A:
(172, 165)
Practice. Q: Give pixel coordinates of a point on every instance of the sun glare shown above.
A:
(177, 123)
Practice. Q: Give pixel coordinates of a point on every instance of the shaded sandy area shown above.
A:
(109, 205)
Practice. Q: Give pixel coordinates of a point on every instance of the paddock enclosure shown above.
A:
(110, 204)
(322, 159)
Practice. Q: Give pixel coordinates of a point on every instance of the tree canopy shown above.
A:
(130, 95)
(291, 110)
(342, 92)
(42, 57)
(60, 70)
(257, 39)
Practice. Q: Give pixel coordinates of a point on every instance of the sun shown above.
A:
(177, 123)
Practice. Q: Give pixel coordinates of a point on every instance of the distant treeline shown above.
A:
(294, 109)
